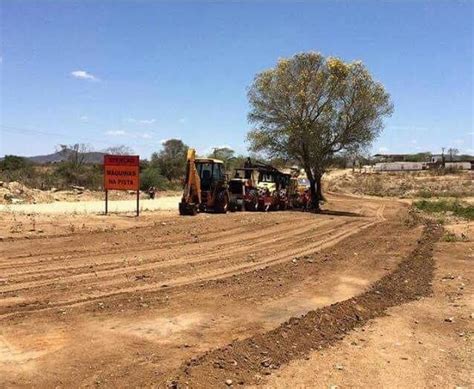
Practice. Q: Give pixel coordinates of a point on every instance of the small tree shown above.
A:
(119, 150)
(308, 108)
(75, 154)
(15, 168)
(76, 169)
(14, 162)
(171, 161)
(226, 154)
(151, 177)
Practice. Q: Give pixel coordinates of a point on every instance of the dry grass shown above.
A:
(403, 185)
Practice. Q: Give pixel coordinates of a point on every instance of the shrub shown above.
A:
(152, 177)
(424, 193)
(454, 206)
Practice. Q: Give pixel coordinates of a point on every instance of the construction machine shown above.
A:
(259, 187)
(205, 186)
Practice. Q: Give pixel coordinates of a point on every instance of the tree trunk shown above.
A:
(313, 190)
(314, 194)
(319, 188)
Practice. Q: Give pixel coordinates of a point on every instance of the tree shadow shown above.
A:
(331, 212)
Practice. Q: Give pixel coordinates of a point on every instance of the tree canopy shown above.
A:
(119, 150)
(309, 108)
(171, 160)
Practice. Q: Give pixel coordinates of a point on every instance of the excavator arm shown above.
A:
(192, 187)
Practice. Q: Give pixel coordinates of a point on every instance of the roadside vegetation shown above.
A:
(449, 207)
(439, 183)
(46, 177)
(164, 170)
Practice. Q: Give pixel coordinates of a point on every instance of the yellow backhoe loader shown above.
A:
(205, 186)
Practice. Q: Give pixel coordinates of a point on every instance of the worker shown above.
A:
(305, 199)
(247, 167)
(151, 192)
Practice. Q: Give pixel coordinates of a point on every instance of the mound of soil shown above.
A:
(246, 361)
(17, 193)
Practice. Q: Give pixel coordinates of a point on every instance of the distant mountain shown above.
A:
(60, 156)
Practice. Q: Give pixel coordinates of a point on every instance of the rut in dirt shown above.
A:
(247, 361)
(106, 266)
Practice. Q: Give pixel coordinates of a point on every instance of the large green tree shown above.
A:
(308, 108)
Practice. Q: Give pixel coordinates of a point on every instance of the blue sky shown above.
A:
(138, 72)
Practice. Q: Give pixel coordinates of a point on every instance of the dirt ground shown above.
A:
(416, 184)
(95, 301)
(423, 344)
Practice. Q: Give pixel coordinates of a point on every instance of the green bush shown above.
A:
(444, 205)
(88, 176)
(426, 194)
(152, 177)
(12, 163)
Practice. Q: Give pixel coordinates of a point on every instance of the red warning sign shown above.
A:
(121, 172)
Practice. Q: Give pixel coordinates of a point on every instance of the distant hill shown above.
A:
(60, 156)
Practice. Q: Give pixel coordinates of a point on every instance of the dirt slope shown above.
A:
(423, 344)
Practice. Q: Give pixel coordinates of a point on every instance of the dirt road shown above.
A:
(133, 304)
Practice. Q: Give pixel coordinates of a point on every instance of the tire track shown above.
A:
(211, 269)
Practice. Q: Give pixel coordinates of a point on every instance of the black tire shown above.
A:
(187, 209)
(251, 206)
(182, 209)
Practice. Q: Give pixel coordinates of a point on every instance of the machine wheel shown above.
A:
(187, 209)
(251, 206)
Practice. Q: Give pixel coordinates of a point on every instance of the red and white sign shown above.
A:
(121, 172)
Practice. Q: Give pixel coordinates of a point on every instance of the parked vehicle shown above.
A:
(260, 187)
(205, 186)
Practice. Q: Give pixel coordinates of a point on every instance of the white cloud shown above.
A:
(458, 141)
(413, 141)
(141, 121)
(130, 135)
(182, 120)
(147, 121)
(83, 75)
(383, 149)
(84, 118)
(116, 132)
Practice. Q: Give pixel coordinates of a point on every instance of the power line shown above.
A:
(29, 131)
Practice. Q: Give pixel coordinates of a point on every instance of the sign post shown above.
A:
(121, 172)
